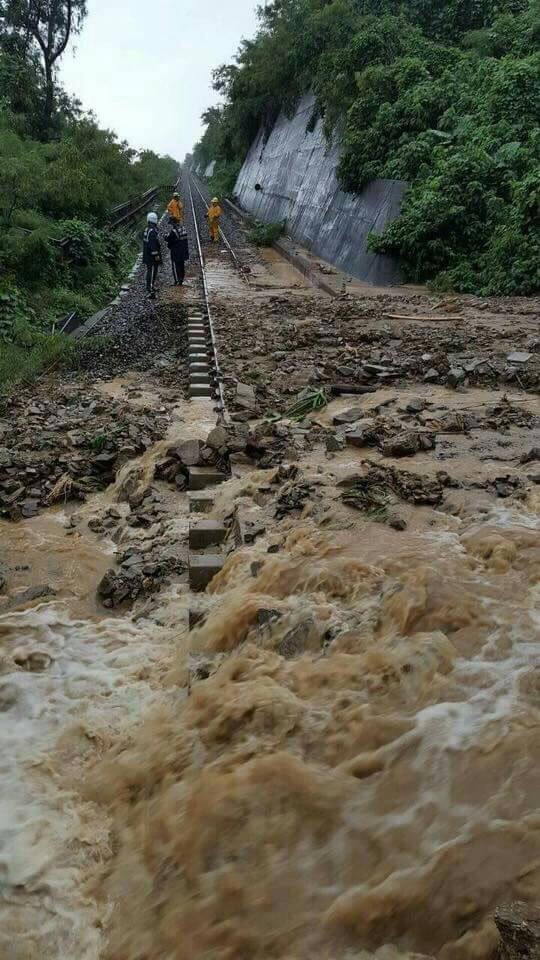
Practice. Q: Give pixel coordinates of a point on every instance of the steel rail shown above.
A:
(206, 297)
(235, 259)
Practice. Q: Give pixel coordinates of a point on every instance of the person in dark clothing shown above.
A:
(151, 253)
(177, 243)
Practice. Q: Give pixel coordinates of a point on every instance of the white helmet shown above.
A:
(152, 218)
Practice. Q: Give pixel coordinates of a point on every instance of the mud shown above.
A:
(341, 759)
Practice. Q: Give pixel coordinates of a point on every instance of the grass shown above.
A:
(25, 361)
(264, 234)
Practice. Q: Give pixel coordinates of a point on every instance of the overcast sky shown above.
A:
(144, 66)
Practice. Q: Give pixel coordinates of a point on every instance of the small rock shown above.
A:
(218, 438)
(416, 405)
(294, 642)
(456, 375)
(35, 593)
(396, 521)
(335, 442)
(530, 455)
(188, 452)
(264, 616)
(407, 444)
(245, 396)
(348, 416)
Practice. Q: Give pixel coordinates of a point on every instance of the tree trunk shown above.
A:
(48, 105)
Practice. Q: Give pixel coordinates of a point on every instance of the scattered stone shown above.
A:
(518, 357)
(335, 442)
(218, 439)
(396, 521)
(408, 443)
(35, 593)
(518, 924)
(456, 375)
(348, 416)
(416, 405)
(265, 616)
(530, 455)
(188, 452)
(245, 397)
(294, 643)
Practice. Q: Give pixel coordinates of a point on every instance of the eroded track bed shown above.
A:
(341, 757)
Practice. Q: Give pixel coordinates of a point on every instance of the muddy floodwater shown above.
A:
(341, 758)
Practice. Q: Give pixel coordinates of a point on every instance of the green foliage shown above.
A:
(264, 234)
(222, 181)
(441, 93)
(13, 311)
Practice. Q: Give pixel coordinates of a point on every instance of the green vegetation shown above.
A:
(264, 234)
(28, 352)
(442, 93)
(60, 175)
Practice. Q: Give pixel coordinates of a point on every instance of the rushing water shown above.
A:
(372, 793)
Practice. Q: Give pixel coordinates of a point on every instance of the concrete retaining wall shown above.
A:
(297, 172)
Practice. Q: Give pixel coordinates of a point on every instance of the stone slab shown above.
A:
(200, 502)
(200, 390)
(203, 568)
(206, 533)
(201, 477)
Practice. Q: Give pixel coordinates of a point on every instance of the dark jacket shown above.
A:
(177, 242)
(151, 246)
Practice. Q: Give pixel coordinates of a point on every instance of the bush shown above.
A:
(443, 95)
(14, 310)
(265, 234)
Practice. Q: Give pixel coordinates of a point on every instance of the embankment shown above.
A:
(291, 176)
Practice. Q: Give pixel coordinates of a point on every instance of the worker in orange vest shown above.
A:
(175, 208)
(214, 213)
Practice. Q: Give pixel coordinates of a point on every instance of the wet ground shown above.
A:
(342, 758)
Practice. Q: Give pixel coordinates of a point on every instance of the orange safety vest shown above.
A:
(176, 209)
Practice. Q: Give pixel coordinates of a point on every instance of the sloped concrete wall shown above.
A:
(297, 172)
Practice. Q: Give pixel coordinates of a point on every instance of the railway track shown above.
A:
(211, 266)
(205, 377)
(131, 210)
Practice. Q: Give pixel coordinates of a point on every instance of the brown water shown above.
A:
(376, 794)
(371, 793)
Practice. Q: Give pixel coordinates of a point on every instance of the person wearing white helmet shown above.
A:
(151, 253)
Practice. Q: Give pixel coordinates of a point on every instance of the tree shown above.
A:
(45, 26)
(19, 168)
